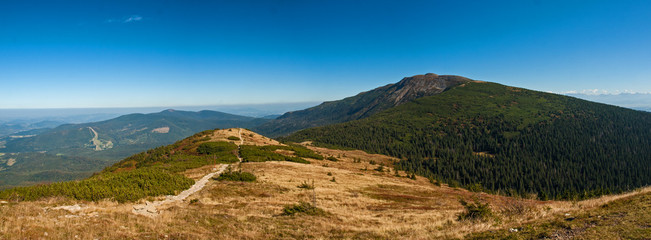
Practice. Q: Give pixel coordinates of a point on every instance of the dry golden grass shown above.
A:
(360, 203)
(249, 137)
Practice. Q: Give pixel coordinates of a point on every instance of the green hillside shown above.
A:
(53, 154)
(151, 173)
(158, 171)
(361, 105)
(512, 140)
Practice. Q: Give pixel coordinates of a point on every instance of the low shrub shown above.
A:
(302, 208)
(234, 138)
(306, 185)
(475, 211)
(475, 187)
(302, 151)
(238, 176)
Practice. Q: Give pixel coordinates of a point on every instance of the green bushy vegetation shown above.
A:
(302, 151)
(180, 156)
(306, 185)
(238, 176)
(215, 147)
(476, 211)
(332, 158)
(234, 138)
(251, 153)
(302, 208)
(510, 140)
(151, 173)
(120, 186)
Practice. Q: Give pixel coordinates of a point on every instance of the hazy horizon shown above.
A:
(251, 110)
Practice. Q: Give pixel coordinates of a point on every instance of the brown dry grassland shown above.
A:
(361, 203)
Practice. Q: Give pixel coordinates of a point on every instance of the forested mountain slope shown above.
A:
(507, 139)
(362, 105)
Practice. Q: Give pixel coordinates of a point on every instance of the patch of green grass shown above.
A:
(332, 158)
(234, 138)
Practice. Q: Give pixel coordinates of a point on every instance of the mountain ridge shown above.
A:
(103, 143)
(502, 138)
(361, 105)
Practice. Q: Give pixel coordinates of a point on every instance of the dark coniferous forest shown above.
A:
(508, 140)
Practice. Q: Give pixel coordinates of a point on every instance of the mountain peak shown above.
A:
(431, 79)
(363, 104)
(416, 86)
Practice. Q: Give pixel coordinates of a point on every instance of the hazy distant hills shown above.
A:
(153, 129)
(362, 105)
(105, 142)
(11, 127)
(501, 138)
(638, 101)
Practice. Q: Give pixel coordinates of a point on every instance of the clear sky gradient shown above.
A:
(67, 54)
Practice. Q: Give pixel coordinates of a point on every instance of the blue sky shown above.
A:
(69, 54)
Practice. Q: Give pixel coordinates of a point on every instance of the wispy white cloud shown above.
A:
(126, 19)
(132, 18)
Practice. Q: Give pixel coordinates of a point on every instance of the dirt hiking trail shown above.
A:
(150, 209)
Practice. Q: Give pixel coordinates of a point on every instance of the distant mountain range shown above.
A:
(362, 105)
(33, 154)
(16, 126)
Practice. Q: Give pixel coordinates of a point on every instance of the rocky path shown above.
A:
(150, 209)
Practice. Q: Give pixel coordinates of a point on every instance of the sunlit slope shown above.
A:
(501, 138)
